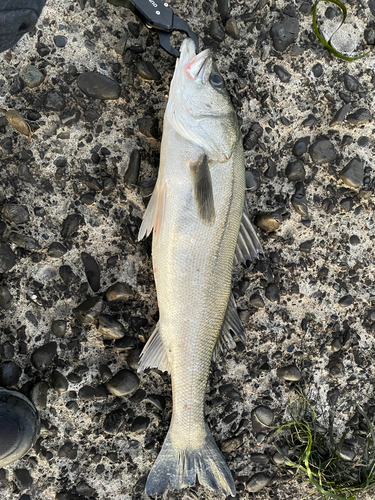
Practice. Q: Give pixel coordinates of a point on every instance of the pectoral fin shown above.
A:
(248, 244)
(232, 323)
(202, 189)
(154, 354)
(154, 215)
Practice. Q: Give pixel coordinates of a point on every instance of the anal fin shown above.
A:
(154, 354)
(232, 323)
(248, 244)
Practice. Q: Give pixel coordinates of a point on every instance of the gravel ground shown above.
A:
(309, 304)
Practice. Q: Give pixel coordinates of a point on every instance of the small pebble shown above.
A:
(317, 70)
(261, 418)
(347, 452)
(322, 151)
(56, 250)
(60, 41)
(256, 300)
(6, 298)
(147, 71)
(284, 33)
(216, 31)
(257, 482)
(282, 73)
(300, 146)
(92, 270)
(67, 275)
(351, 83)
(346, 301)
(31, 76)
(89, 310)
(113, 421)
(86, 393)
(336, 345)
(223, 10)
(15, 214)
(333, 396)
(110, 327)
(70, 117)
(295, 171)
(340, 115)
(140, 424)
(299, 200)
(251, 138)
(98, 86)
(17, 121)
(7, 258)
(71, 224)
(273, 293)
(353, 174)
(119, 291)
(359, 117)
(306, 246)
(271, 170)
(252, 180)
(39, 394)
(310, 120)
(290, 373)
(232, 29)
(363, 141)
(23, 241)
(123, 383)
(59, 382)
(132, 172)
(354, 240)
(269, 221)
(54, 101)
(149, 127)
(44, 355)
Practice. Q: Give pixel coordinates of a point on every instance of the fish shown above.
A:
(200, 228)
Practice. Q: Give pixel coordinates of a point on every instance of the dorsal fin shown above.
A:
(248, 244)
(231, 323)
(154, 354)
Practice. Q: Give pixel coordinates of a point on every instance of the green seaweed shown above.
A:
(328, 44)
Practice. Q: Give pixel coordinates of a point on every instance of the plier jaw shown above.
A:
(158, 15)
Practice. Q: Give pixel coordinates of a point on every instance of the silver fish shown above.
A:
(200, 228)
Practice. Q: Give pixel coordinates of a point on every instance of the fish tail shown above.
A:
(176, 468)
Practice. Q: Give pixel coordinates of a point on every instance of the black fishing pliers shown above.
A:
(158, 15)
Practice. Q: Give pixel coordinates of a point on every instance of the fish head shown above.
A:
(199, 106)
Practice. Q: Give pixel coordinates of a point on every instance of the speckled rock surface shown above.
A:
(67, 172)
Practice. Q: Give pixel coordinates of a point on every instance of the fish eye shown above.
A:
(217, 81)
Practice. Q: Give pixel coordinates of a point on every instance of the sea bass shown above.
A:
(200, 228)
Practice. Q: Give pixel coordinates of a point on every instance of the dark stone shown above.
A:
(98, 86)
(257, 482)
(71, 224)
(310, 120)
(351, 83)
(295, 171)
(149, 127)
(271, 170)
(59, 382)
(24, 478)
(7, 145)
(232, 29)
(113, 421)
(299, 200)
(39, 394)
(300, 146)
(132, 172)
(252, 180)
(256, 300)
(123, 383)
(6, 298)
(110, 327)
(284, 33)
(44, 355)
(15, 214)
(306, 246)
(273, 293)
(317, 70)
(216, 31)
(60, 41)
(7, 258)
(147, 71)
(282, 73)
(119, 291)
(340, 115)
(89, 310)
(70, 117)
(124, 344)
(322, 151)
(157, 400)
(31, 76)
(353, 174)
(223, 10)
(56, 250)
(92, 271)
(363, 141)
(346, 301)
(354, 240)
(86, 393)
(251, 138)
(67, 275)
(359, 117)
(22, 241)
(54, 101)
(290, 373)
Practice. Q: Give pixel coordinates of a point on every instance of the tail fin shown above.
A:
(175, 468)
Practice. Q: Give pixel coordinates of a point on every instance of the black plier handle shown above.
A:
(158, 15)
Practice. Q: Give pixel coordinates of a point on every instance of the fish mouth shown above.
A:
(194, 64)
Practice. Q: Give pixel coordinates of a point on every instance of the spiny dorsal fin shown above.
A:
(232, 323)
(248, 244)
(154, 354)
(202, 189)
